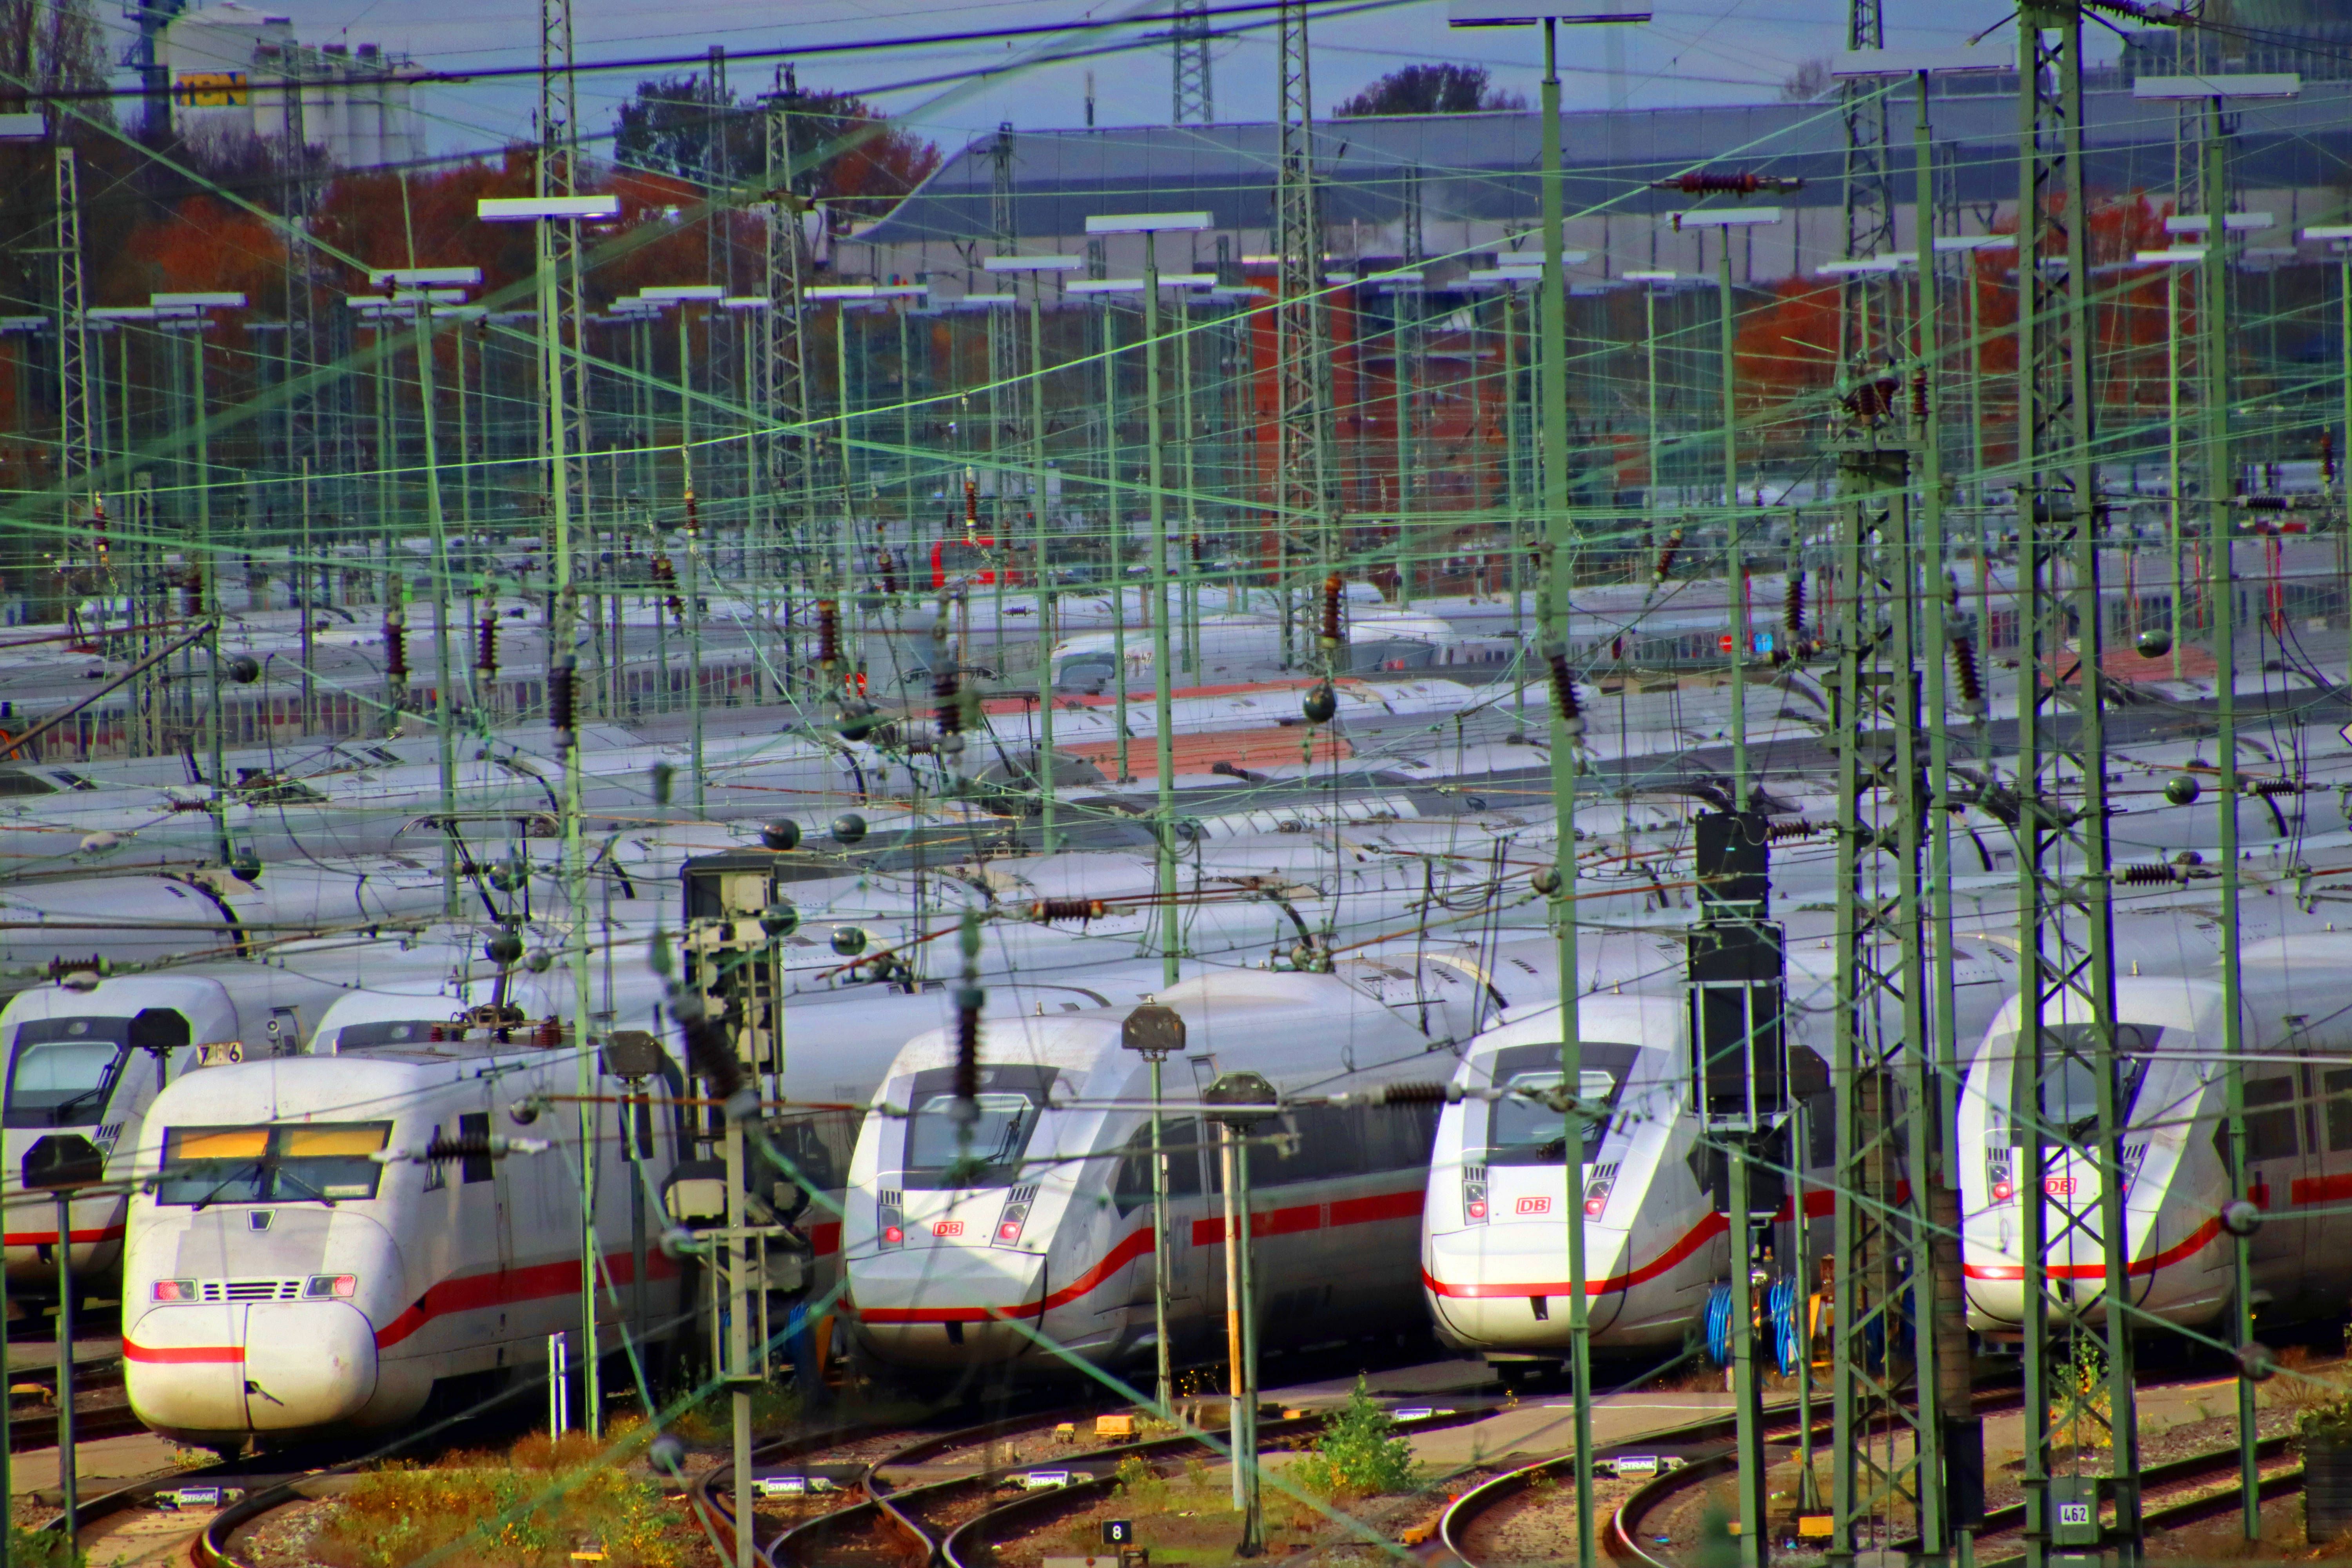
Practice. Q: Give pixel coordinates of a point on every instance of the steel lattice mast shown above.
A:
(1864, 324)
(1302, 364)
(77, 460)
(1888, 1444)
(1194, 103)
(2066, 962)
(785, 415)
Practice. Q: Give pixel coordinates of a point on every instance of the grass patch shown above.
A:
(710, 1420)
(529, 1507)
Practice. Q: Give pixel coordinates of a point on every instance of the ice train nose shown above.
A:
(233, 1367)
(946, 1307)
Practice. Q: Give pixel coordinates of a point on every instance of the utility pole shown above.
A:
(788, 473)
(1869, 199)
(1195, 104)
(76, 431)
(1155, 1032)
(1302, 361)
(563, 318)
(1243, 1100)
(2066, 961)
(1741, 1091)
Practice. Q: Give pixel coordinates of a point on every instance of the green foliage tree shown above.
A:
(1359, 1452)
(1430, 89)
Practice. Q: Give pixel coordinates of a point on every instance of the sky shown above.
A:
(1692, 51)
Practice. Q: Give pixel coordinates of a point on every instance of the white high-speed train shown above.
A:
(2297, 1049)
(92, 1060)
(1046, 1237)
(282, 1282)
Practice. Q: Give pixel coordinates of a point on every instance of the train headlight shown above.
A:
(1473, 1194)
(1009, 1224)
(339, 1287)
(174, 1291)
(1997, 1180)
(890, 1221)
(1596, 1196)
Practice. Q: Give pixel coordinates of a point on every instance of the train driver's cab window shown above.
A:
(943, 1151)
(63, 1071)
(1523, 1127)
(277, 1163)
(2070, 1080)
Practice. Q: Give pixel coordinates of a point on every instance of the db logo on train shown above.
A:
(948, 1228)
(1534, 1205)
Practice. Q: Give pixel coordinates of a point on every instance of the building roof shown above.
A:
(1483, 166)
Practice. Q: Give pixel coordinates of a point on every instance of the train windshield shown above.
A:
(939, 1154)
(2070, 1081)
(284, 1162)
(63, 1071)
(1522, 1129)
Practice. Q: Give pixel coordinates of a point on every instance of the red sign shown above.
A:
(1534, 1205)
(2059, 1186)
(1723, 643)
(948, 1228)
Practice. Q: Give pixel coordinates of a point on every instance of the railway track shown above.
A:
(2189, 1484)
(970, 1543)
(1686, 1456)
(897, 1509)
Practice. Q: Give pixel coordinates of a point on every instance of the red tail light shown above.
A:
(892, 1235)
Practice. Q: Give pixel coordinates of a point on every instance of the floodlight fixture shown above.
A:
(1862, 64)
(1525, 13)
(1148, 223)
(1032, 263)
(2232, 222)
(546, 209)
(2220, 84)
(1727, 217)
(427, 278)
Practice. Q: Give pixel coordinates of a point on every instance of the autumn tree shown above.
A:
(1430, 89)
(677, 126)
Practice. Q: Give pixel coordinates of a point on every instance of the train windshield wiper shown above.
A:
(284, 1174)
(251, 1167)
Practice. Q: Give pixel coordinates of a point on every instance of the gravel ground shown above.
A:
(1539, 1526)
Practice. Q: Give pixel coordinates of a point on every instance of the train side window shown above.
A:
(2337, 1088)
(2271, 1120)
(1180, 1142)
(1401, 1138)
(474, 1168)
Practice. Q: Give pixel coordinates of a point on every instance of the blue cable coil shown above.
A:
(1781, 1303)
(1788, 1338)
(1718, 1325)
